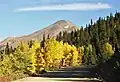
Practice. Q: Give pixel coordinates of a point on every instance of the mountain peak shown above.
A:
(63, 22)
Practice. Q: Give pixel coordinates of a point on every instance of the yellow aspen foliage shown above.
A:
(74, 53)
(32, 55)
(81, 50)
(108, 48)
(24, 47)
(80, 54)
(54, 52)
(36, 45)
(23, 54)
(67, 59)
(54, 55)
(71, 55)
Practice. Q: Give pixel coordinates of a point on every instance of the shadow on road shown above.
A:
(72, 72)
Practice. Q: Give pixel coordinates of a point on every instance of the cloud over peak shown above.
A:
(67, 7)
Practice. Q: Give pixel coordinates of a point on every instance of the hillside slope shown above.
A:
(52, 30)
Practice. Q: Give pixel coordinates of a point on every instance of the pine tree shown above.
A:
(7, 50)
(43, 41)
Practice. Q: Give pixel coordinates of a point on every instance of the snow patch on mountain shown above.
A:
(66, 26)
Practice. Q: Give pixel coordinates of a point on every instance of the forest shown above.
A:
(91, 45)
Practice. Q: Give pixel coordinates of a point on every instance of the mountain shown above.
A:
(51, 30)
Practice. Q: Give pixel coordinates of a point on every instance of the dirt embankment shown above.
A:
(4, 79)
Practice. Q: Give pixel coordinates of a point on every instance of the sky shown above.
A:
(22, 17)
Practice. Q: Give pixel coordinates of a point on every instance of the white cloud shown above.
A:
(73, 6)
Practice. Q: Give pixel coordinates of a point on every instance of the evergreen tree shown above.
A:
(43, 41)
(7, 50)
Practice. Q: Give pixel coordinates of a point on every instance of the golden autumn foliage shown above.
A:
(32, 57)
(108, 48)
(54, 55)
(81, 54)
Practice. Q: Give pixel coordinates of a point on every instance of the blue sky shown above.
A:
(21, 17)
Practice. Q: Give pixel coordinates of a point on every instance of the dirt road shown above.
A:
(43, 79)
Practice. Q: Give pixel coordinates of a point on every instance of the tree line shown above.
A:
(103, 35)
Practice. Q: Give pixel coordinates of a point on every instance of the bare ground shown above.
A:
(43, 79)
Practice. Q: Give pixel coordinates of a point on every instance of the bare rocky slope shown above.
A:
(52, 30)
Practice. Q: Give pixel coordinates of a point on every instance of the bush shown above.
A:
(15, 76)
